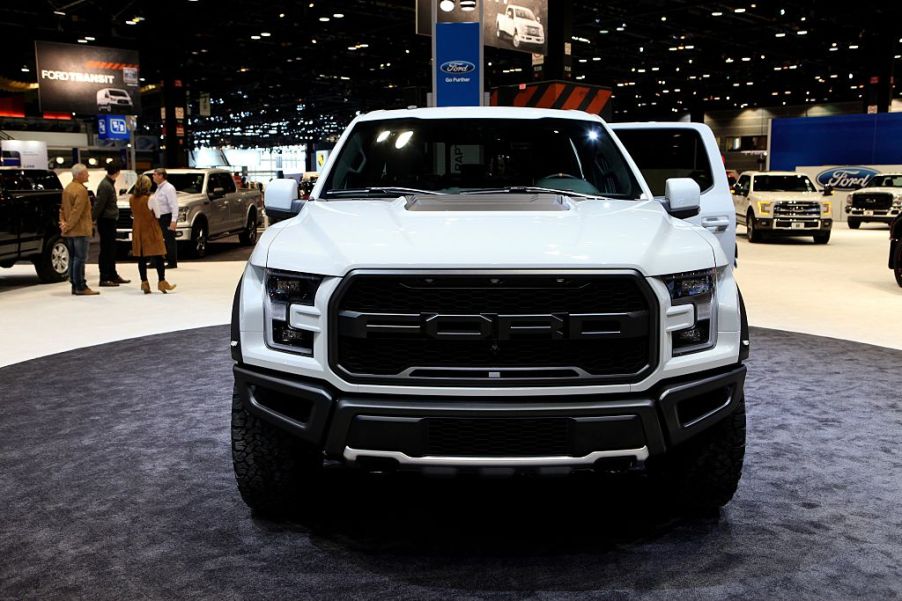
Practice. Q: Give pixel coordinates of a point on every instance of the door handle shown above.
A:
(716, 225)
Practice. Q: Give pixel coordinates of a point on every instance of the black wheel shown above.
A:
(822, 238)
(516, 39)
(199, 240)
(703, 473)
(272, 467)
(897, 263)
(53, 264)
(754, 235)
(248, 235)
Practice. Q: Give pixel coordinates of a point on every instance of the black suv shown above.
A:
(29, 222)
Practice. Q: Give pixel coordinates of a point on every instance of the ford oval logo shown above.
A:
(845, 178)
(458, 67)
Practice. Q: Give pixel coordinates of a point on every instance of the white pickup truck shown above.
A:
(495, 289)
(782, 203)
(210, 207)
(520, 25)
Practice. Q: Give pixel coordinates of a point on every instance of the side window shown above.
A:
(743, 185)
(227, 182)
(662, 154)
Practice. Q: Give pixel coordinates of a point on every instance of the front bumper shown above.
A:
(884, 215)
(459, 432)
(793, 227)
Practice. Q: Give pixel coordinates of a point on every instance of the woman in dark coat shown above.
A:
(147, 239)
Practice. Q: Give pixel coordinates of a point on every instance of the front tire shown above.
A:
(248, 235)
(854, 224)
(54, 262)
(272, 467)
(516, 39)
(822, 238)
(702, 474)
(754, 235)
(200, 239)
(897, 263)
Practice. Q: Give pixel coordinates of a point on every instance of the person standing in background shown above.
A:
(77, 228)
(165, 206)
(106, 214)
(147, 240)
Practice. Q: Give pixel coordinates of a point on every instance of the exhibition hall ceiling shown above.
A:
(292, 70)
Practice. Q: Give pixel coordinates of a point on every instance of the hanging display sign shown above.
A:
(112, 127)
(457, 64)
(87, 79)
(510, 24)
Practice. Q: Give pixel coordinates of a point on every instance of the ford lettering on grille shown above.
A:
(485, 326)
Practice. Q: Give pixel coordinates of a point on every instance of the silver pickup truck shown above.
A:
(210, 207)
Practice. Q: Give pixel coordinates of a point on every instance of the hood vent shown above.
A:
(488, 202)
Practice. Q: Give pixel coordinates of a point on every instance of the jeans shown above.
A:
(78, 256)
(107, 230)
(172, 258)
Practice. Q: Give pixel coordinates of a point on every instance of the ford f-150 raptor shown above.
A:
(486, 288)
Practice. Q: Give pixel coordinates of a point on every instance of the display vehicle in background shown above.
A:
(210, 207)
(520, 25)
(782, 203)
(113, 100)
(490, 289)
(880, 200)
(29, 222)
(895, 248)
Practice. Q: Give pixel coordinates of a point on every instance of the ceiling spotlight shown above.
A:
(265, 34)
(255, 37)
(467, 5)
(60, 13)
(338, 16)
(24, 69)
(89, 38)
(739, 10)
(324, 19)
(717, 13)
(446, 5)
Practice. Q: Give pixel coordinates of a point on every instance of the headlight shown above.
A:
(183, 214)
(897, 200)
(284, 289)
(826, 208)
(696, 288)
(765, 207)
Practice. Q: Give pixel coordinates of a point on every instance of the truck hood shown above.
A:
(773, 196)
(335, 237)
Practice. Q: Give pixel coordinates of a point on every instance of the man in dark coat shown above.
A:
(106, 214)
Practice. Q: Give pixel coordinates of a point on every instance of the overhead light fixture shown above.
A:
(717, 13)
(446, 5)
(467, 5)
(255, 37)
(82, 41)
(265, 34)
(802, 32)
(338, 16)
(780, 35)
(739, 10)
(25, 69)
(403, 139)
(60, 13)
(324, 19)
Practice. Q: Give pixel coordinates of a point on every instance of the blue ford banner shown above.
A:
(845, 178)
(457, 62)
(112, 127)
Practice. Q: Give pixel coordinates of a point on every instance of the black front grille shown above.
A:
(125, 219)
(400, 349)
(514, 437)
(797, 209)
(877, 201)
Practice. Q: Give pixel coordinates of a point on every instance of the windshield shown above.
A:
(525, 13)
(117, 93)
(454, 156)
(783, 183)
(885, 181)
(189, 183)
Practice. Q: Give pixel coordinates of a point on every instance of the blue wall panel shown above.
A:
(839, 140)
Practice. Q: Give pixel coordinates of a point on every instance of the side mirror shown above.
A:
(281, 200)
(682, 197)
(217, 193)
(828, 190)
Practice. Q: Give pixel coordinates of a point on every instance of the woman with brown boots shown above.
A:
(147, 239)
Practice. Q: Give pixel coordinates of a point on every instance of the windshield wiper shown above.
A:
(530, 190)
(378, 191)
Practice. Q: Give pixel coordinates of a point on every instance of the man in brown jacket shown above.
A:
(77, 228)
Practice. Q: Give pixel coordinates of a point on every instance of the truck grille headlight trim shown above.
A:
(696, 288)
(284, 289)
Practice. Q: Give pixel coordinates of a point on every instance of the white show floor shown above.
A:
(841, 290)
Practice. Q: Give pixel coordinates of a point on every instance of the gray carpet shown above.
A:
(116, 483)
